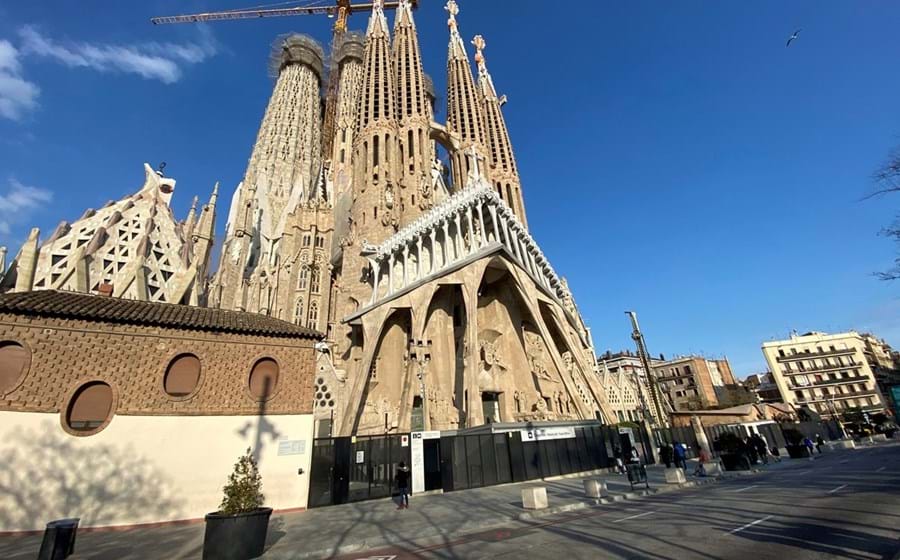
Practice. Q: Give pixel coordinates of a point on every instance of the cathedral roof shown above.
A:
(73, 305)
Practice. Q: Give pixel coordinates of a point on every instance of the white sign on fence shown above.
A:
(417, 458)
(292, 447)
(543, 434)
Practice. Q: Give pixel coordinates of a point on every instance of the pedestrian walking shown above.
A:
(617, 454)
(819, 443)
(776, 454)
(761, 448)
(680, 455)
(633, 457)
(402, 478)
(809, 445)
(701, 465)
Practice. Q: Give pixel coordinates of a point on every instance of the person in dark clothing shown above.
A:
(402, 478)
(620, 463)
(680, 455)
(819, 443)
(762, 449)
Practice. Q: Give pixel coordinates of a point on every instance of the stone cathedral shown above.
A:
(439, 309)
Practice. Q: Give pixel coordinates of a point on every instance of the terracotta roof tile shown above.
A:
(74, 305)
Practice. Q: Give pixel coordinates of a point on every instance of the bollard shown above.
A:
(59, 539)
(595, 488)
(534, 497)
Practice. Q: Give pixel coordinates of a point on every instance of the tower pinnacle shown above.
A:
(504, 175)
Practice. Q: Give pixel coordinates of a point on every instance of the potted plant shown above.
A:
(238, 530)
(794, 440)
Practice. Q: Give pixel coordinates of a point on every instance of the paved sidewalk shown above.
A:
(330, 531)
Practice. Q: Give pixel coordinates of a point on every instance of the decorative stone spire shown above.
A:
(464, 109)
(504, 174)
(284, 168)
(415, 114)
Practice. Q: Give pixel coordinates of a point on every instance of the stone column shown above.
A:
(700, 433)
(493, 212)
(405, 264)
(471, 247)
(483, 226)
(391, 273)
(376, 278)
(419, 257)
(445, 225)
(456, 238)
(433, 235)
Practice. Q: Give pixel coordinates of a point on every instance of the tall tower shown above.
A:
(415, 114)
(504, 174)
(464, 108)
(349, 61)
(283, 171)
(377, 203)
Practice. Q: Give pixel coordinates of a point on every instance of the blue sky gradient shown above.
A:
(676, 158)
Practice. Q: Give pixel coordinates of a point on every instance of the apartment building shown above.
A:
(828, 373)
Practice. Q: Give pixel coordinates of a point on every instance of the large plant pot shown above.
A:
(735, 462)
(798, 451)
(236, 537)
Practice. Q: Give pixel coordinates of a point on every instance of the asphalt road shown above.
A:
(842, 505)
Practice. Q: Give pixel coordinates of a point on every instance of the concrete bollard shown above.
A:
(843, 444)
(879, 437)
(534, 497)
(595, 488)
(713, 468)
(675, 476)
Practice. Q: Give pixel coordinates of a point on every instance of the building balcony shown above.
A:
(808, 355)
(836, 397)
(827, 382)
(822, 369)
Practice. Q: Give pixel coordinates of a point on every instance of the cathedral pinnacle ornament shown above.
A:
(453, 9)
(479, 44)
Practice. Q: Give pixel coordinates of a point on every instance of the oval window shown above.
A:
(264, 378)
(13, 360)
(90, 408)
(182, 376)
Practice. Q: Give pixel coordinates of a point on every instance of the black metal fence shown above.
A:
(828, 429)
(684, 435)
(348, 469)
(352, 469)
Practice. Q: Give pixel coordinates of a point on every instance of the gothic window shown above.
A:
(307, 239)
(315, 282)
(313, 321)
(303, 280)
(298, 312)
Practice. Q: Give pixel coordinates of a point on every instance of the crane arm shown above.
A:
(272, 12)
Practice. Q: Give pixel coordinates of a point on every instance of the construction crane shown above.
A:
(339, 9)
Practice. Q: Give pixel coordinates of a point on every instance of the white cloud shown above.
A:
(18, 202)
(154, 61)
(17, 95)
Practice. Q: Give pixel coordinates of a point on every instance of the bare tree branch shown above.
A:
(887, 179)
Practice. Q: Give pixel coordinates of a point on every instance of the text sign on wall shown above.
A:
(292, 447)
(543, 434)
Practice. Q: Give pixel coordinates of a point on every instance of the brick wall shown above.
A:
(133, 360)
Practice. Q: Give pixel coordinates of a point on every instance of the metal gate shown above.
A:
(353, 469)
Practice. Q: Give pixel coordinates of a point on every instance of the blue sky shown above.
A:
(676, 158)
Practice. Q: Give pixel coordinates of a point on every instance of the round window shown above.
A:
(264, 378)
(13, 361)
(90, 408)
(182, 375)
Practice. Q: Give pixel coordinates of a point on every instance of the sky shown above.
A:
(676, 158)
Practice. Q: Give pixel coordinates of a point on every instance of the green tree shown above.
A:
(243, 493)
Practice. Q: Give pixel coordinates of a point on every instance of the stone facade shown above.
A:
(623, 374)
(694, 382)
(133, 248)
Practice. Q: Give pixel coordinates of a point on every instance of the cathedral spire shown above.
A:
(504, 174)
(415, 114)
(464, 110)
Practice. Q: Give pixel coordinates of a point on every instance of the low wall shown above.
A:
(142, 469)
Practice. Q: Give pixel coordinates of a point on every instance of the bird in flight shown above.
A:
(796, 35)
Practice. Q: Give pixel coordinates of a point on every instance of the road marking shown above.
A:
(739, 529)
(880, 469)
(838, 488)
(802, 472)
(747, 488)
(845, 461)
(634, 516)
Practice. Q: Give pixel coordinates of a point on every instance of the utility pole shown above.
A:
(638, 338)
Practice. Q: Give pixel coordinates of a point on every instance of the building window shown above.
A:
(298, 312)
(307, 239)
(90, 408)
(781, 352)
(14, 359)
(303, 280)
(264, 379)
(182, 375)
(315, 279)
(313, 321)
